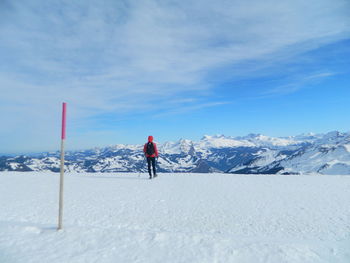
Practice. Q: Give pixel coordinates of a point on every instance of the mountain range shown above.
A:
(252, 154)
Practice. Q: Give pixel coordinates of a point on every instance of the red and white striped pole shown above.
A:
(63, 137)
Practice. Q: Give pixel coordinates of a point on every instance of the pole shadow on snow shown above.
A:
(28, 227)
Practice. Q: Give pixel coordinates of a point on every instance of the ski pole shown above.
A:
(143, 161)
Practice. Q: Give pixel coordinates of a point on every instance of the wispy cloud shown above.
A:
(123, 56)
(299, 83)
(189, 108)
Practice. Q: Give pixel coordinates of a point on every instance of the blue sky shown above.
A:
(173, 69)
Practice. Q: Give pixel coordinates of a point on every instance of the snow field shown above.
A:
(175, 218)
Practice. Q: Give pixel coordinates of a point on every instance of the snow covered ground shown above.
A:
(175, 218)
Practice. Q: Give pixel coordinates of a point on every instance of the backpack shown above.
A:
(150, 148)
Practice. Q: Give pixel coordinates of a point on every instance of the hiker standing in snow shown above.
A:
(151, 152)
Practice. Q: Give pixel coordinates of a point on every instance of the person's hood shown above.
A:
(150, 138)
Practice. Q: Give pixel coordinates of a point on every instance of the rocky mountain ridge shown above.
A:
(252, 154)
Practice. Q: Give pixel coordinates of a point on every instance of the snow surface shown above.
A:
(175, 218)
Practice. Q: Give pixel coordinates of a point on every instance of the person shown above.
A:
(151, 152)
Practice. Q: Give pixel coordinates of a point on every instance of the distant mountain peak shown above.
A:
(254, 153)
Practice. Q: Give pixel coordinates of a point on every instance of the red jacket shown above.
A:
(150, 139)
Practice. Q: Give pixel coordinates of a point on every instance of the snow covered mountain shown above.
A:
(251, 154)
(329, 154)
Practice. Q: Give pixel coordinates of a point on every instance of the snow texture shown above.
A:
(175, 218)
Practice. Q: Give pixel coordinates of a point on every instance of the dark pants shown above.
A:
(151, 160)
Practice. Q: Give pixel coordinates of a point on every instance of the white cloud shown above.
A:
(299, 83)
(188, 108)
(118, 56)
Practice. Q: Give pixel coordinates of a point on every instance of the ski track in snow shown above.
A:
(175, 218)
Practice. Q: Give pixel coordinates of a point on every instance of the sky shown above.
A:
(171, 69)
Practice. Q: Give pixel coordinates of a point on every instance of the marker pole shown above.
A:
(63, 137)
